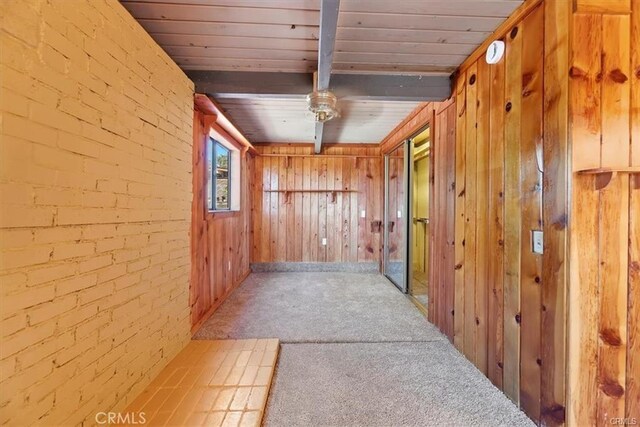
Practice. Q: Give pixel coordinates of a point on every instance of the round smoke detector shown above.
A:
(495, 52)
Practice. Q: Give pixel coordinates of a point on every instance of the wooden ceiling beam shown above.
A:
(357, 87)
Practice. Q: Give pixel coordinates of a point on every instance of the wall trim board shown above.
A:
(310, 144)
(346, 267)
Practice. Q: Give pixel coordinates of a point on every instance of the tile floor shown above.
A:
(213, 383)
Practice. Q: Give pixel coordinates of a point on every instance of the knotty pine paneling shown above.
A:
(498, 283)
(337, 186)
(604, 110)
(220, 242)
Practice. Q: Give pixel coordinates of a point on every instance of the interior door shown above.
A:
(396, 216)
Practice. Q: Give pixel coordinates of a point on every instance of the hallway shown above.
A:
(353, 337)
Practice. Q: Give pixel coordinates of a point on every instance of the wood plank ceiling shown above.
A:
(412, 37)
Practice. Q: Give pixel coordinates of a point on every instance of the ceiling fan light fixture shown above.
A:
(322, 105)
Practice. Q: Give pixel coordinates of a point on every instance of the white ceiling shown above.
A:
(373, 36)
(284, 120)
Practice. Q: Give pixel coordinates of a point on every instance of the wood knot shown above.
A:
(526, 79)
(618, 76)
(513, 33)
(508, 106)
(472, 79)
(453, 312)
(611, 337)
(500, 242)
(500, 365)
(369, 249)
(555, 413)
(611, 388)
(634, 268)
(537, 279)
(539, 361)
(577, 73)
(637, 73)
(458, 266)
(518, 318)
(562, 222)
(477, 320)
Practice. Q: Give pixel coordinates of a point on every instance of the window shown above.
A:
(222, 186)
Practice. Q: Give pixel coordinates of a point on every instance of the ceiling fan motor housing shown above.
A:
(323, 105)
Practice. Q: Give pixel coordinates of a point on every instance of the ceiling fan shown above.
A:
(322, 103)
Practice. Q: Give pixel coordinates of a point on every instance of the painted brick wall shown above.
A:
(95, 189)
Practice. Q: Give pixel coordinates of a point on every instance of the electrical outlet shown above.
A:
(363, 214)
(324, 241)
(399, 214)
(537, 241)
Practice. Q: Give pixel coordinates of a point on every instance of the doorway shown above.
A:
(420, 232)
(406, 216)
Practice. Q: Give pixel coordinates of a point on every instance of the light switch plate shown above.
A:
(363, 214)
(324, 241)
(399, 214)
(537, 240)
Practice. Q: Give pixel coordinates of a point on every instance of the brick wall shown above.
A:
(95, 189)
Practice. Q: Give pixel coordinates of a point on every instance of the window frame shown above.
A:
(214, 179)
(234, 176)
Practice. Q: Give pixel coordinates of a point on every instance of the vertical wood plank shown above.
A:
(449, 268)
(555, 213)
(496, 225)
(632, 406)
(298, 166)
(470, 216)
(635, 84)
(331, 208)
(531, 209)
(512, 227)
(585, 75)
(482, 215)
(614, 221)
(355, 210)
(306, 209)
(322, 209)
(612, 330)
(615, 90)
(459, 295)
(585, 116)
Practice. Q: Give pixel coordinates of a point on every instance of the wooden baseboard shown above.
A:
(214, 307)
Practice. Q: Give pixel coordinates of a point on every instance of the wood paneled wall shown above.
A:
(604, 297)
(442, 219)
(220, 242)
(507, 128)
(288, 226)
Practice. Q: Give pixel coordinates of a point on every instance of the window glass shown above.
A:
(219, 166)
(222, 169)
